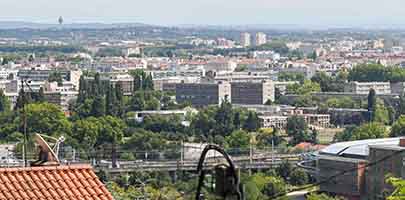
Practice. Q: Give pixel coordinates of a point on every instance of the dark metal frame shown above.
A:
(201, 172)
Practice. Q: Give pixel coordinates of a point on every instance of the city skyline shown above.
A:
(178, 12)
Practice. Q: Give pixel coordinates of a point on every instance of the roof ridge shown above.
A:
(43, 168)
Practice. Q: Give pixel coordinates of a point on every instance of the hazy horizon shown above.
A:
(208, 12)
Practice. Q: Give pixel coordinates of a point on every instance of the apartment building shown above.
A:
(203, 94)
(364, 87)
(261, 39)
(273, 121)
(252, 92)
(245, 40)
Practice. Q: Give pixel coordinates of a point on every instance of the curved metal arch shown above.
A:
(202, 173)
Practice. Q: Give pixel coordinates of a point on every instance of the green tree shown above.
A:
(23, 99)
(237, 120)
(274, 186)
(329, 83)
(304, 89)
(298, 177)
(238, 139)
(112, 133)
(402, 104)
(398, 128)
(380, 113)
(297, 129)
(203, 124)
(369, 131)
(145, 141)
(368, 73)
(323, 80)
(291, 76)
(313, 56)
(371, 100)
(119, 95)
(85, 133)
(346, 135)
(138, 101)
(47, 119)
(252, 122)
(83, 90)
(304, 101)
(344, 102)
(269, 136)
(98, 107)
(110, 102)
(224, 119)
(285, 169)
(4, 102)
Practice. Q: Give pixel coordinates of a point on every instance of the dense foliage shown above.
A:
(376, 73)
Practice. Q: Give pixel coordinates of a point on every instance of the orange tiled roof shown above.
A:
(72, 182)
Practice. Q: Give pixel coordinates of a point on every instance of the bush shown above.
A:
(299, 177)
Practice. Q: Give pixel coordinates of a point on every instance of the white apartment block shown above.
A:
(364, 87)
(261, 39)
(245, 39)
(278, 122)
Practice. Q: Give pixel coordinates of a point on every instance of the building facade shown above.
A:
(203, 94)
(252, 93)
(261, 39)
(245, 40)
(364, 87)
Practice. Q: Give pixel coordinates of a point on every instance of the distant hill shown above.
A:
(33, 25)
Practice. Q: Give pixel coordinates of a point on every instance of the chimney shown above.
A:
(402, 142)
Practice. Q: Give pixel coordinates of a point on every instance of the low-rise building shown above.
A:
(273, 121)
(364, 87)
(398, 88)
(358, 169)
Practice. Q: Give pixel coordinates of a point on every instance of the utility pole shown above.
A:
(24, 115)
(250, 158)
(272, 152)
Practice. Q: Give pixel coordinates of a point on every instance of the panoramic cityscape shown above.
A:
(202, 100)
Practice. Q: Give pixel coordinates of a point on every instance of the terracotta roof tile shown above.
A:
(8, 195)
(23, 194)
(53, 182)
(31, 194)
(3, 187)
(2, 196)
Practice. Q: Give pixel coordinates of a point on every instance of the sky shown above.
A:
(208, 12)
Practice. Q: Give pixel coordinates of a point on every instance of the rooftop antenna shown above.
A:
(53, 150)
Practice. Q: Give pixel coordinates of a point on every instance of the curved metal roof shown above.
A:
(357, 148)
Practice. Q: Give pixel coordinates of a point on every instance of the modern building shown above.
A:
(245, 76)
(317, 120)
(252, 93)
(245, 40)
(364, 87)
(43, 75)
(126, 82)
(273, 121)
(261, 39)
(358, 169)
(350, 185)
(377, 187)
(398, 88)
(203, 94)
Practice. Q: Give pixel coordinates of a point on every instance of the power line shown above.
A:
(337, 175)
